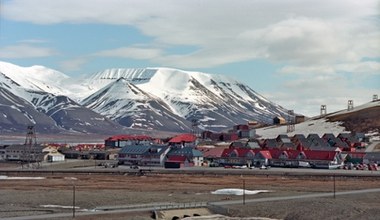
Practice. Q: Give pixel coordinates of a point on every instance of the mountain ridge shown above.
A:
(148, 98)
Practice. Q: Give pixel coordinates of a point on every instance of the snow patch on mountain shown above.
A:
(36, 78)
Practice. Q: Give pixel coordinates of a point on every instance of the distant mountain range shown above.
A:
(107, 102)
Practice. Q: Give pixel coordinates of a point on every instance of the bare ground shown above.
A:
(25, 197)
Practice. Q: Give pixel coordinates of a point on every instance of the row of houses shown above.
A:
(53, 152)
(328, 151)
(27, 153)
(237, 132)
(174, 157)
(180, 151)
(327, 142)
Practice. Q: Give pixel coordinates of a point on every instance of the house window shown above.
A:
(301, 155)
(250, 155)
(284, 155)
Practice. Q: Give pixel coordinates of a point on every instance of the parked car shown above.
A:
(265, 167)
(134, 167)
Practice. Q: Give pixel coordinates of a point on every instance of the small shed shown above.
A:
(52, 154)
(279, 120)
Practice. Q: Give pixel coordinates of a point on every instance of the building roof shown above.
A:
(266, 154)
(241, 152)
(187, 138)
(270, 143)
(288, 145)
(328, 136)
(304, 143)
(143, 149)
(299, 136)
(309, 154)
(125, 137)
(237, 144)
(186, 151)
(213, 152)
(344, 135)
(253, 145)
(290, 154)
(321, 155)
(313, 136)
(21, 147)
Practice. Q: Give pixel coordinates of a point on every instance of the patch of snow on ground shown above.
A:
(59, 206)
(21, 178)
(237, 192)
(320, 127)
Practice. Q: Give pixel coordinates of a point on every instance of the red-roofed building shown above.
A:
(177, 161)
(211, 155)
(245, 156)
(355, 157)
(317, 159)
(119, 141)
(184, 140)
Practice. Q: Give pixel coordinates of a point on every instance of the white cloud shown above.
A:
(320, 43)
(297, 31)
(131, 52)
(25, 51)
(306, 95)
(73, 64)
(364, 67)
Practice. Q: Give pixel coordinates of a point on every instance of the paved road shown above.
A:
(220, 203)
(305, 196)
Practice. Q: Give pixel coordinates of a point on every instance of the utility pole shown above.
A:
(73, 199)
(334, 185)
(243, 191)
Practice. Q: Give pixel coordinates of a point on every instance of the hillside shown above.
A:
(364, 118)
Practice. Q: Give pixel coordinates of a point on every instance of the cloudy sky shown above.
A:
(298, 53)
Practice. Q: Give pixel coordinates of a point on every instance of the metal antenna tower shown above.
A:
(194, 127)
(31, 155)
(323, 110)
(350, 105)
(291, 125)
(375, 98)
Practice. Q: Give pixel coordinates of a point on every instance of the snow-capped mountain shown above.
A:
(128, 105)
(215, 102)
(37, 93)
(17, 113)
(147, 98)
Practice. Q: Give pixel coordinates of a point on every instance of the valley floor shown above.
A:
(54, 193)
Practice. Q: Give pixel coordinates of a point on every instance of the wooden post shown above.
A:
(334, 185)
(73, 200)
(243, 191)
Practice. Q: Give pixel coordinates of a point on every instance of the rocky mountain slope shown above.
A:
(215, 102)
(33, 96)
(147, 98)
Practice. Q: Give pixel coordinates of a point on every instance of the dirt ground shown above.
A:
(27, 197)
